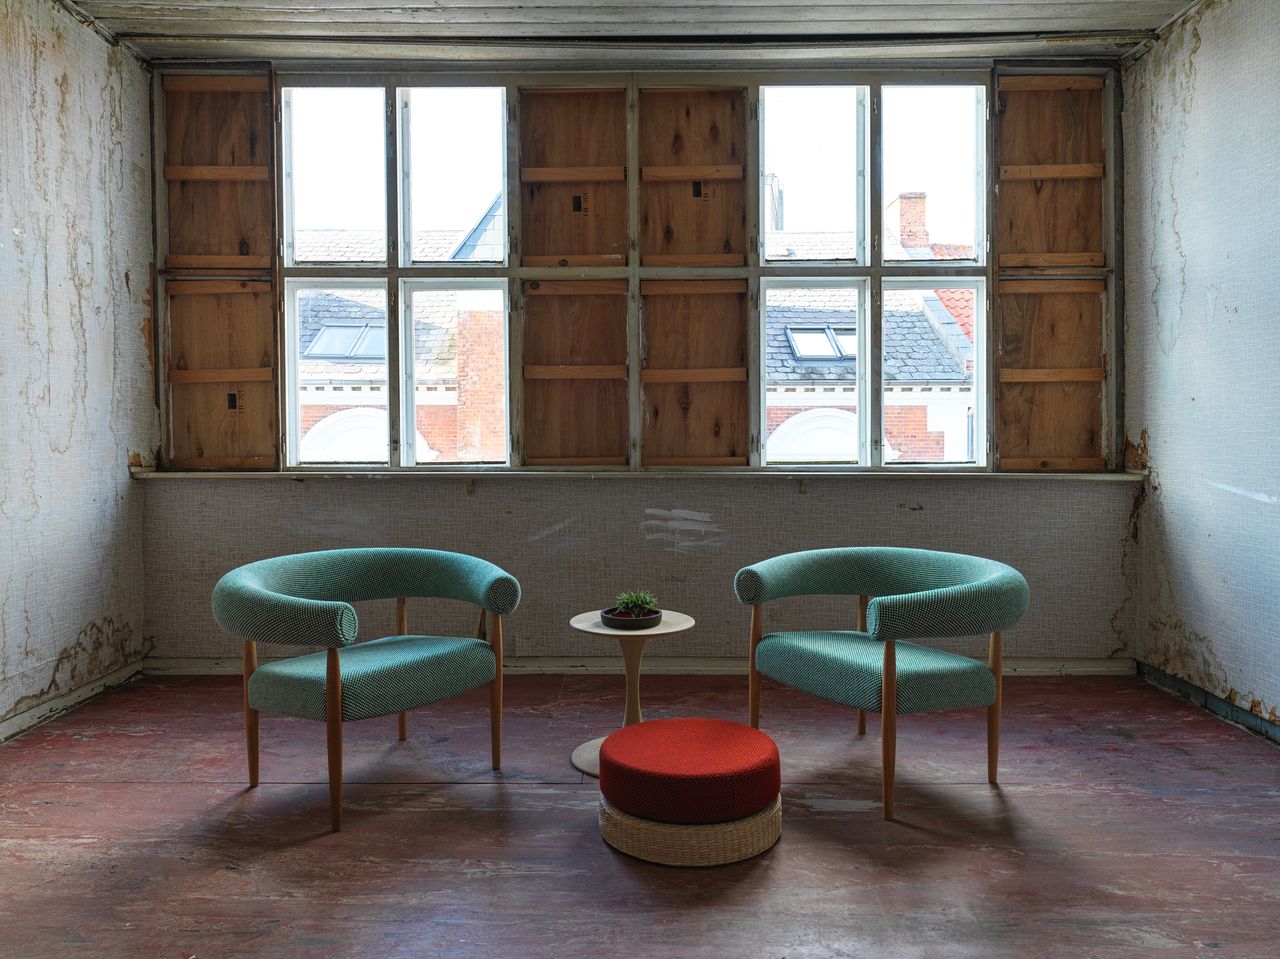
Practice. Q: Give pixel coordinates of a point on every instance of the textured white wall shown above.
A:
(75, 242)
(575, 543)
(1202, 346)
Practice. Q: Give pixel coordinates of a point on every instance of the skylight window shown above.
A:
(335, 341)
(826, 343)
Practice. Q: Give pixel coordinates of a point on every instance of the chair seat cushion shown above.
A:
(689, 771)
(846, 667)
(380, 677)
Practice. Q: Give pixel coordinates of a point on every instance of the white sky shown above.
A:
(457, 136)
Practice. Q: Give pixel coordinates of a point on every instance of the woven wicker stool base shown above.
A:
(713, 844)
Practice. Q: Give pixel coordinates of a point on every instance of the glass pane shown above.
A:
(812, 344)
(342, 374)
(337, 175)
(929, 361)
(811, 404)
(848, 340)
(810, 189)
(931, 144)
(459, 375)
(456, 161)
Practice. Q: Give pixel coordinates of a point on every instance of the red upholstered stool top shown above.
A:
(689, 771)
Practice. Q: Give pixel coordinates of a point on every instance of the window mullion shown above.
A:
(391, 103)
(872, 419)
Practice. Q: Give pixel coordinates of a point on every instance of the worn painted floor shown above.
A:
(1128, 824)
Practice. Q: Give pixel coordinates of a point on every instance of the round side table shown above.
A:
(587, 756)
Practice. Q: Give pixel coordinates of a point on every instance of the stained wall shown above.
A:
(1202, 335)
(75, 367)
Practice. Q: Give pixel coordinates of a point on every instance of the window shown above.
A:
(440, 395)
(867, 283)
(813, 162)
(811, 374)
(339, 384)
(932, 349)
(933, 180)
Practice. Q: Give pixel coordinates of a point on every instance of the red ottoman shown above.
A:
(690, 792)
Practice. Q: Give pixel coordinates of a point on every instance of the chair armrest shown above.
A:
(244, 606)
(808, 573)
(991, 604)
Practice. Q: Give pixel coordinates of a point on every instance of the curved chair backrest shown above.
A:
(918, 593)
(306, 598)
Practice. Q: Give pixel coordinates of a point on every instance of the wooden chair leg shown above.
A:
(753, 676)
(995, 662)
(862, 722)
(888, 726)
(333, 721)
(495, 694)
(250, 715)
(402, 629)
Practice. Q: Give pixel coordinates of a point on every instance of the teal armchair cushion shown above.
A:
(305, 598)
(918, 594)
(845, 667)
(380, 677)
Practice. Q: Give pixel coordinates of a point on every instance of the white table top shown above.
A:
(672, 622)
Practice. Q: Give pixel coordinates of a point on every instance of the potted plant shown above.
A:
(636, 610)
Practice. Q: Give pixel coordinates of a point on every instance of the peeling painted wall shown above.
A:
(75, 250)
(1202, 345)
(574, 543)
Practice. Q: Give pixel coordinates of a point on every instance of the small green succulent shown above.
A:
(637, 603)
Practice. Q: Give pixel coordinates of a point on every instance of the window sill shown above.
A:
(501, 473)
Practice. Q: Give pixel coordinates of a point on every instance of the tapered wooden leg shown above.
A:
(632, 654)
(995, 656)
(250, 715)
(753, 677)
(333, 720)
(863, 601)
(888, 725)
(402, 629)
(495, 693)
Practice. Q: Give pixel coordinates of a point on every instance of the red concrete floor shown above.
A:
(1127, 824)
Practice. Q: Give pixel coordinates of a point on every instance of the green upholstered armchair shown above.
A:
(305, 599)
(904, 594)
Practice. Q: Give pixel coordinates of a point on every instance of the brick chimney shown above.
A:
(912, 232)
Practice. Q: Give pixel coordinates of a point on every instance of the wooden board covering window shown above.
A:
(221, 363)
(695, 373)
(1050, 251)
(220, 221)
(575, 419)
(698, 219)
(573, 149)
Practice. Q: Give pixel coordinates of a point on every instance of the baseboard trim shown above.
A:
(1207, 700)
(51, 708)
(661, 665)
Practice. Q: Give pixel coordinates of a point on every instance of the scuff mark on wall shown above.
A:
(684, 529)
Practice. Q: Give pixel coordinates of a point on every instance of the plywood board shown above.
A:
(223, 330)
(1050, 128)
(695, 330)
(581, 418)
(1053, 420)
(694, 421)
(1050, 216)
(568, 220)
(1056, 330)
(224, 421)
(692, 128)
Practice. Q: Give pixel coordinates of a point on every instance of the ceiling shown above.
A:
(505, 30)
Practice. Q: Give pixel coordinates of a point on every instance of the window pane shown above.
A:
(810, 189)
(456, 160)
(342, 374)
(929, 362)
(811, 404)
(337, 175)
(848, 340)
(932, 141)
(459, 375)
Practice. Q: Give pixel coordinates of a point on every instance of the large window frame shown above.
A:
(870, 271)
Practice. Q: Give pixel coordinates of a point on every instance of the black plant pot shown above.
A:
(648, 621)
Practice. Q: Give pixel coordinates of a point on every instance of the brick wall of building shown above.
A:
(482, 407)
